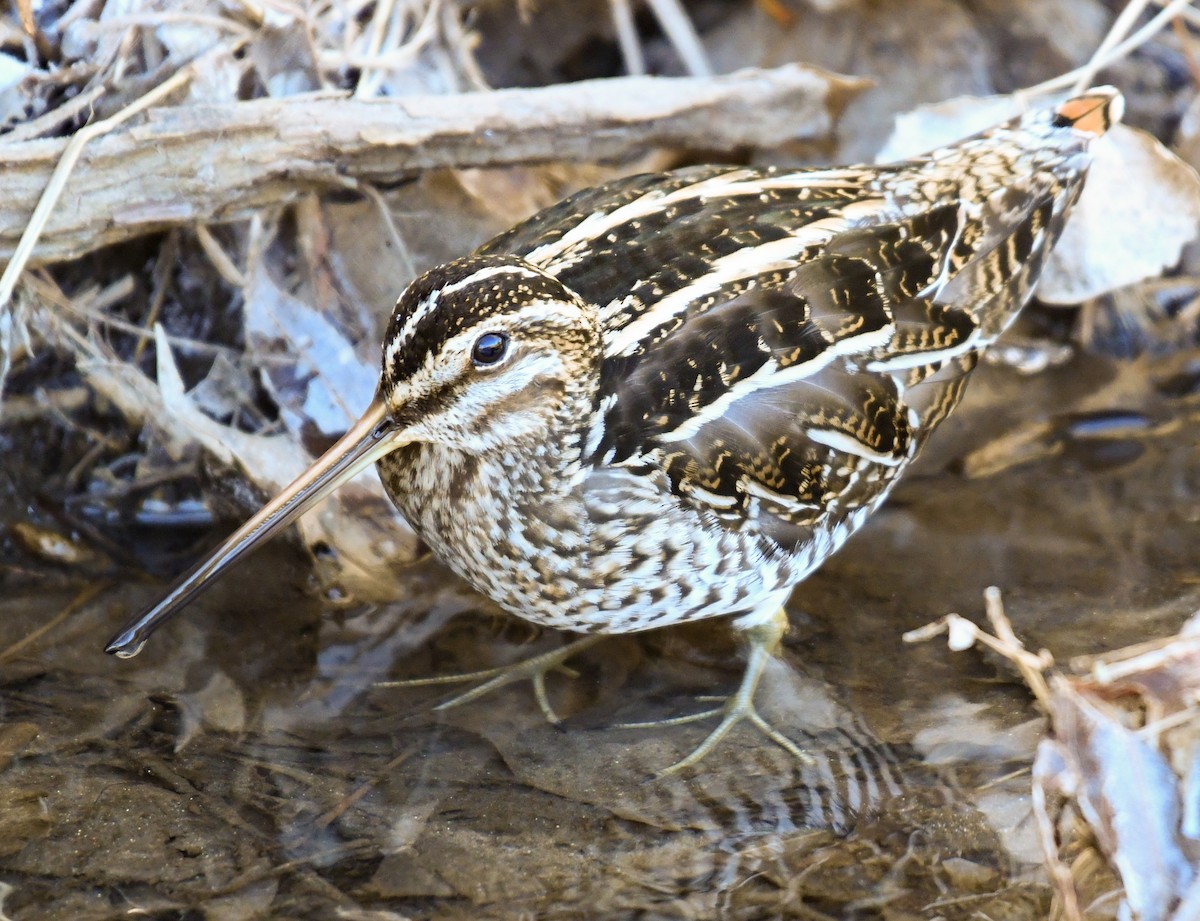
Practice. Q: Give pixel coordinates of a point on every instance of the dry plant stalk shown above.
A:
(1122, 753)
(210, 163)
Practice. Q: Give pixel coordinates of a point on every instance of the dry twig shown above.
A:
(205, 164)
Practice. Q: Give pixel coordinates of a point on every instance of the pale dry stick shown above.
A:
(963, 634)
(1121, 51)
(1106, 904)
(682, 36)
(153, 20)
(1144, 657)
(349, 15)
(76, 10)
(25, 14)
(1002, 779)
(259, 237)
(300, 10)
(69, 335)
(160, 174)
(994, 896)
(328, 818)
(97, 75)
(55, 117)
(325, 858)
(399, 25)
(1186, 45)
(74, 478)
(402, 55)
(125, 285)
(1084, 334)
(1152, 730)
(1060, 873)
(195, 346)
(161, 277)
(1167, 13)
(62, 172)
(254, 13)
(462, 45)
(23, 408)
(627, 37)
(1031, 666)
(92, 301)
(98, 300)
(220, 260)
(384, 11)
(1120, 28)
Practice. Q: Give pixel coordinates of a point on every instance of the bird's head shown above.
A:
(480, 353)
(483, 351)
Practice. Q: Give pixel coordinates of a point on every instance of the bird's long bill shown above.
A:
(373, 436)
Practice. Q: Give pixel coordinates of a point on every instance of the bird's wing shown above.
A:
(783, 359)
(779, 343)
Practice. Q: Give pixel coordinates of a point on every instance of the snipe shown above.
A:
(671, 397)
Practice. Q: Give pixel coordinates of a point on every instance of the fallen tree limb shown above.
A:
(202, 164)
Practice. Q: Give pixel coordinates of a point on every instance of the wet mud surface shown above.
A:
(249, 764)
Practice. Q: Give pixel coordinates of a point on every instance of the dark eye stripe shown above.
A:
(489, 349)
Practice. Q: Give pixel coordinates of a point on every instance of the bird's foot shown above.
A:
(533, 669)
(734, 711)
(762, 640)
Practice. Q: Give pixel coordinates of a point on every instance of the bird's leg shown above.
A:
(762, 641)
(533, 669)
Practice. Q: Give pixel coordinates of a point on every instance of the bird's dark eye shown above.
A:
(489, 348)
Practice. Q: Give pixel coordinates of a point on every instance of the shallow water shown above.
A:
(249, 765)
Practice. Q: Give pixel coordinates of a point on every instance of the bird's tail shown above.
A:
(1093, 112)
(1025, 176)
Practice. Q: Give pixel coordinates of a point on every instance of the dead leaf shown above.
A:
(1126, 791)
(285, 58)
(313, 372)
(1134, 785)
(1139, 208)
(225, 391)
(16, 99)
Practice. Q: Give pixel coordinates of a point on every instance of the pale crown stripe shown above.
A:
(490, 272)
(424, 307)
(435, 366)
(427, 305)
